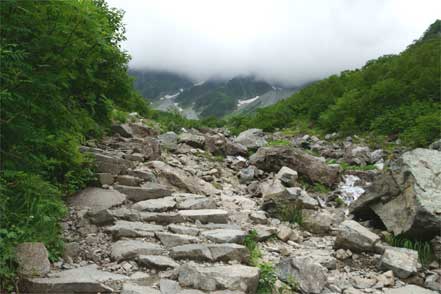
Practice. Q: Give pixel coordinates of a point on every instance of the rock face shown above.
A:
(351, 235)
(406, 196)
(310, 276)
(252, 138)
(211, 278)
(403, 262)
(32, 259)
(315, 169)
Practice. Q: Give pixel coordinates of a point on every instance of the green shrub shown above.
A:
(279, 143)
(346, 166)
(290, 213)
(251, 243)
(425, 252)
(267, 278)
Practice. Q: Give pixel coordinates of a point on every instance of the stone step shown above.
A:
(205, 215)
(129, 229)
(131, 249)
(87, 279)
(145, 192)
(225, 236)
(219, 277)
(172, 240)
(156, 205)
(211, 252)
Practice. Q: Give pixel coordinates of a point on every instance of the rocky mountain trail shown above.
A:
(175, 214)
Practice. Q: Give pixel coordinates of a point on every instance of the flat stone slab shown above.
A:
(147, 191)
(211, 252)
(87, 279)
(409, 289)
(206, 215)
(124, 228)
(131, 288)
(403, 262)
(184, 230)
(225, 236)
(97, 199)
(351, 235)
(155, 205)
(157, 262)
(172, 240)
(220, 277)
(127, 249)
(192, 201)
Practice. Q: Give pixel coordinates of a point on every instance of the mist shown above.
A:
(282, 41)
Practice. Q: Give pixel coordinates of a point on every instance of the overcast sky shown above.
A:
(285, 41)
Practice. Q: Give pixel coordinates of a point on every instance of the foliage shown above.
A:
(279, 143)
(251, 243)
(290, 213)
(394, 95)
(346, 166)
(267, 278)
(63, 75)
(425, 251)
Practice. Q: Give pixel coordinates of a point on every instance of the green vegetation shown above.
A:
(267, 278)
(63, 79)
(425, 252)
(339, 202)
(279, 143)
(346, 166)
(251, 243)
(397, 96)
(290, 213)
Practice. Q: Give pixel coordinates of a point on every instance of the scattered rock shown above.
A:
(32, 259)
(96, 199)
(351, 235)
(287, 176)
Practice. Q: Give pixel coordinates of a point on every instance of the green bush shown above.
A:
(251, 243)
(425, 252)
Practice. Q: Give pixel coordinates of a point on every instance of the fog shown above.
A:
(284, 41)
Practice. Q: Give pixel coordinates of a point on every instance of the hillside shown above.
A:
(397, 96)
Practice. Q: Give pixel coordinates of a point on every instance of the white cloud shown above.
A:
(288, 41)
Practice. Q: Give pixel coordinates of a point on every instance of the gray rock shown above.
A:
(247, 174)
(287, 176)
(96, 199)
(436, 145)
(436, 247)
(130, 288)
(139, 129)
(193, 140)
(123, 129)
(351, 235)
(187, 201)
(145, 174)
(87, 279)
(129, 229)
(157, 262)
(215, 144)
(206, 215)
(162, 217)
(105, 178)
(147, 191)
(172, 240)
(235, 149)
(272, 159)
(252, 138)
(321, 221)
(71, 250)
(127, 249)
(219, 277)
(32, 259)
(169, 287)
(184, 230)
(264, 232)
(211, 252)
(225, 236)
(155, 205)
(310, 276)
(405, 196)
(409, 289)
(127, 180)
(111, 164)
(258, 217)
(169, 140)
(302, 198)
(358, 155)
(403, 262)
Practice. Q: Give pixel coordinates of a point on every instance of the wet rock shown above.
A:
(403, 262)
(219, 277)
(351, 235)
(147, 191)
(287, 176)
(405, 196)
(157, 262)
(310, 276)
(155, 205)
(252, 138)
(225, 236)
(315, 169)
(126, 249)
(168, 141)
(32, 259)
(172, 240)
(86, 279)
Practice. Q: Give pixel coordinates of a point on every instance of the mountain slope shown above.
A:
(394, 95)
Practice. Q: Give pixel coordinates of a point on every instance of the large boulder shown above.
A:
(402, 261)
(252, 138)
(194, 140)
(311, 276)
(168, 141)
(112, 164)
(219, 277)
(215, 144)
(32, 259)
(351, 235)
(406, 195)
(272, 159)
(96, 199)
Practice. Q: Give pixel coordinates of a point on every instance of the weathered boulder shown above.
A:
(351, 235)
(252, 138)
(287, 176)
(155, 205)
(235, 149)
(406, 195)
(32, 259)
(194, 140)
(145, 192)
(311, 276)
(178, 178)
(247, 174)
(87, 279)
(272, 159)
(402, 261)
(219, 277)
(96, 199)
(436, 145)
(141, 130)
(111, 164)
(123, 130)
(215, 144)
(168, 141)
(359, 155)
(321, 221)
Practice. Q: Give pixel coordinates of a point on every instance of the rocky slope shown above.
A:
(171, 214)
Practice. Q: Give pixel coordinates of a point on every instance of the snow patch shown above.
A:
(247, 101)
